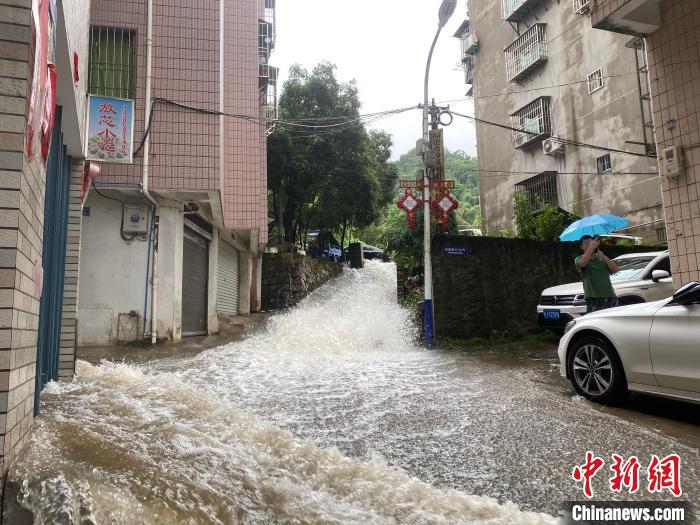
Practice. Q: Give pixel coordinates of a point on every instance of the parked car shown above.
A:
(643, 277)
(372, 252)
(333, 253)
(650, 348)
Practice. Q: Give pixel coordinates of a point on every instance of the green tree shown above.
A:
(337, 176)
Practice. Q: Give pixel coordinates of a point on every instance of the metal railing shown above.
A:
(526, 53)
(468, 64)
(582, 6)
(514, 10)
(111, 62)
(532, 123)
(540, 190)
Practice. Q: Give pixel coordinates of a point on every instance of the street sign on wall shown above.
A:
(110, 130)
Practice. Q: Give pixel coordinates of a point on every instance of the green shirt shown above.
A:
(596, 278)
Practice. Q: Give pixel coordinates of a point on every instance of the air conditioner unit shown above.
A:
(552, 147)
(582, 7)
(471, 44)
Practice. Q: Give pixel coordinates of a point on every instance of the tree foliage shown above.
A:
(336, 176)
(391, 230)
(544, 224)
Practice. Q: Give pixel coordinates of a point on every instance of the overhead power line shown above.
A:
(558, 139)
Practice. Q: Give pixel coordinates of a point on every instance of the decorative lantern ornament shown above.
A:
(444, 205)
(409, 203)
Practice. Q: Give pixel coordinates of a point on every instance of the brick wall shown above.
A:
(674, 70)
(21, 229)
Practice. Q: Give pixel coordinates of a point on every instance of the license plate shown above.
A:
(552, 314)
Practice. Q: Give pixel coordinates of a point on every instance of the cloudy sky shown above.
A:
(383, 44)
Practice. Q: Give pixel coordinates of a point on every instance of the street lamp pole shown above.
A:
(447, 8)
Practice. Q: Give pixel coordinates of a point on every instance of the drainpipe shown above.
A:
(144, 176)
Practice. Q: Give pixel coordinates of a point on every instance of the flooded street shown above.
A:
(331, 414)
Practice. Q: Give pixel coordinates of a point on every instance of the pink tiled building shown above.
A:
(672, 33)
(211, 85)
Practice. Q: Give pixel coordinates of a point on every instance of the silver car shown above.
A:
(652, 348)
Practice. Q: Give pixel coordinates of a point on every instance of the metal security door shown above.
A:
(227, 287)
(58, 168)
(195, 276)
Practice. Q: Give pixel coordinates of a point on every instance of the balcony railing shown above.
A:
(468, 64)
(532, 123)
(267, 75)
(265, 40)
(515, 10)
(526, 53)
(582, 6)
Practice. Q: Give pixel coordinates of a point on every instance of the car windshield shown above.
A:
(631, 267)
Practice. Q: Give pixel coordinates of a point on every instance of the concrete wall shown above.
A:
(496, 287)
(608, 117)
(288, 277)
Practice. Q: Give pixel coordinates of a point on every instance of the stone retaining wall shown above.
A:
(288, 277)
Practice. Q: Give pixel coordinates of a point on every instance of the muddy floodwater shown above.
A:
(331, 414)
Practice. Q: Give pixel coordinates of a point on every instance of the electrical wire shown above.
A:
(557, 139)
(123, 204)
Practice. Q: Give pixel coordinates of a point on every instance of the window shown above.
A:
(535, 121)
(111, 69)
(604, 163)
(581, 6)
(661, 237)
(595, 81)
(526, 53)
(541, 190)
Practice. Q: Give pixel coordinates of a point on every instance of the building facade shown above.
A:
(43, 71)
(200, 168)
(671, 30)
(564, 114)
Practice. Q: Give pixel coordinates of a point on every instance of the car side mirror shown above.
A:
(657, 275)
(687, 294)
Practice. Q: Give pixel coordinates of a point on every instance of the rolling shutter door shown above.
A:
(195, 269)
(227, 294)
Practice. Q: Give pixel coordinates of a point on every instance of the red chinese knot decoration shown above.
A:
(444, 205)
(409, 203)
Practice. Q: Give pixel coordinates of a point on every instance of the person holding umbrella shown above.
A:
(594, 266)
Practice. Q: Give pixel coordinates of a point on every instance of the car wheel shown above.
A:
(595, 370)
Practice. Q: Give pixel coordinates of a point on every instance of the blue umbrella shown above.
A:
(594, 225)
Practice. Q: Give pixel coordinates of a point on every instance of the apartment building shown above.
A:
(577, 102)
(177, 234)
(671, 31)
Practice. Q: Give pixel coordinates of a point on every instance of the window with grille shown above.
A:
(581, 6)
(604, 163)
(595, 81)
(112, 55)
(540, 190)
(661, 237)
(531, 123)
(468, 63)
(526, 53)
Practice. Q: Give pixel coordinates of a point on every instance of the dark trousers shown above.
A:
(600, 303)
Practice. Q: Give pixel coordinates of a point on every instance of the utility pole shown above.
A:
(447, 9)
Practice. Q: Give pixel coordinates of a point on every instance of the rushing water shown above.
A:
(205, 439)
(330, 415)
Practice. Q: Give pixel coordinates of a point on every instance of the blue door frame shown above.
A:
(58, 168)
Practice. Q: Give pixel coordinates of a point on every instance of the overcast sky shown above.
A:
(383, 45)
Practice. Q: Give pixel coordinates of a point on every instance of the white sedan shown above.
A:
(652, 348)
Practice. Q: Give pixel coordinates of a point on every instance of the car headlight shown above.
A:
(569, 326)
(580, 300)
